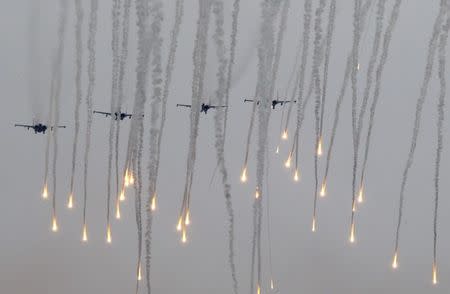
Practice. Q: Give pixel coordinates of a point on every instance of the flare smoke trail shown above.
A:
(156, 10)
(56, 90)
(384, 55)
(179, 11)
(301, 80)
(115, 72)
(121, 76)
(199, 60)
(90, 91)
(328, 40)
(340, 99)
(138, 203)
(266, 54)
(34, 61)
(316, 76)
(78, 93)
(354, 79)
(432, 45)
(440, 125)
(233, 41)
(219, 118)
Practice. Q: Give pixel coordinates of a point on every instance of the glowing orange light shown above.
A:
(361, 195)
(244, 175)
(179, 225)
(352, 234)
(54, 224)
(187, 220)
(284, 136)
(296, 176)
(108, 234)
(183, 237)
(122, 195)
(131, 179)
(323, 190)
(319, 148)
(287, 164)
(117, 210)
(139, 277)
(435, 274)
(153, 204)
(126, 179)
(313, 225)
(257, 193)
(258, 291)
(45, 192)
(395, 261)
(85, 237)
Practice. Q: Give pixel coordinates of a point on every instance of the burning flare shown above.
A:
(126, 179)
(395, 261)
(45, 192)
(244, 175)
(179, 225)
(319, 148)
(361, 195)
(183, 237)
(153, 205)
(435, 279)
(139, 277)
(70, 202)
(278, 150)
(271, 284)
(122, 195)
(296, 176)
(284, 136)
(187, 220)
(108, 234)
(258, 291)
(54, 224)
(313, 225)
(352, 233)
(323, 189)
(117, 210)
(131, 179)
(287, 164)
(85, 237)
(257, 193)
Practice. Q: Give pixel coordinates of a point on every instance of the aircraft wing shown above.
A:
(128, 115)
(23, 126)
(218, 106)
(59, 127)
(101, 112)
(249, 100)
(184, 105)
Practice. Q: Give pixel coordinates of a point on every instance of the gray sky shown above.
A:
(34, 259)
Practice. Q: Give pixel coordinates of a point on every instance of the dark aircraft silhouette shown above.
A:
(38, 128)
(117, 115)
(275, 102)
(204, 107)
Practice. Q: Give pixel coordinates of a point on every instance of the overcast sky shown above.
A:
(34, 259)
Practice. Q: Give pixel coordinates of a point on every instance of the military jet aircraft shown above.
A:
(117, 115)
(38, 127)
(204, 107)
(275, 102)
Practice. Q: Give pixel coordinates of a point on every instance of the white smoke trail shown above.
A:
(379, 73)
(219, 118)
(89, 95)
(432, 46)
(56, 90)
(78, 91)
(233, 42)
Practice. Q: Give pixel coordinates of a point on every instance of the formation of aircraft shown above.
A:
(38, 127)
(204, 107)
(117, 115)
(275, 102)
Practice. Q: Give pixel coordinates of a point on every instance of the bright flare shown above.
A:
(117, 210)
(323, 190)
(313, 225)
(361, 195)
(126, 179)
(258, 291)
(179, 224)
(287, 164)
(131, 179)
(354, 206)
(183, 237)
(54, 224)
(284, 136)
(108, 234)
(84, 238)
(139, 277)
(278, 150)
(358, 66)
(244, 175)
(153, 205)
(319, 148)
(70, 202)
(122, 195)
(187, 220)
(271, 284)
(435, 280)
(257, 193)
(352, 233)
(395, 261)
(296, 176)
(45, 192)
